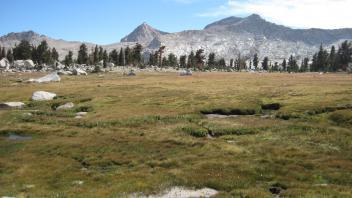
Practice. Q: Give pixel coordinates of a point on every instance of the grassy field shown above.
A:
(147, 133)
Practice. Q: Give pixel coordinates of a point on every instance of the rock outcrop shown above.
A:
(53, 77)
(43, 96)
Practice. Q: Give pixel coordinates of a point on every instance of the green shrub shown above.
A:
(84, 109)
(342, 117)
(232, 131)
(195, 131)
(229, 111)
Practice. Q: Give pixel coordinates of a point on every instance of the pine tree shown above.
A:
(69, 58)
(183, 61)
(105, 58)
(96, 55)
(160, 54)
(191, 63)
(305, 65)
(121, 57)
(9, 55)
(23, 51)
(211, 60)
(151, 60)
(43, 55)
(284, 65)
(276, 67)
(82, 54)
(137, 54)
(172, 60)
(2, 52)
(222, 63)
(255, 61)
(114, 57)
(265, 63)
(127, 56)
(344, 55)
(314, 65)
(164, 62)
(100, 54)
(54, 54)
(322, 60)
(199, 58)
(240, 63)
(292, 64)
(332, 59)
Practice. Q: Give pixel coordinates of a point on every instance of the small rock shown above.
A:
(19, 80)
(79, 72)
(265, 116)
(43, 96)
(323, 185)
(66, 106)
(62, 72)
(84, 169)
(79, 117)
(8, 105)
(81, 114)
(78, 182)
(29, 186)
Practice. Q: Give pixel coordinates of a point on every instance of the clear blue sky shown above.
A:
(102, 21)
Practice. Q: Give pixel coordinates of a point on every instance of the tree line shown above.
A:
(100, 56)
(40, 54)
(322, 61)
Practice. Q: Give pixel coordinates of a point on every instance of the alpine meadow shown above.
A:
(251, 105)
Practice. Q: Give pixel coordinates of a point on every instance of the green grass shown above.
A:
(148, 133)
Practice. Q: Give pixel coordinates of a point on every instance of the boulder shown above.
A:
(130, 73)
(43, 96)
(66, 106)
(110, 64)
(63, 72)
(349, 68)
(80, 115)
(28, 64)
(186, 72)
(9, 105)
(58, 65)
(79, 72)
(5, 64)
(53, 77)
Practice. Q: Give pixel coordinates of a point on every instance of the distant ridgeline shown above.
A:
(336, 59)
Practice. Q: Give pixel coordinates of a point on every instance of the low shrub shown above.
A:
(342, 117)
(271, 106)
(195, 131)
(229, 111)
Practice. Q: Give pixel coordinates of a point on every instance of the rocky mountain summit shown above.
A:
(228, 38)
(143, 34)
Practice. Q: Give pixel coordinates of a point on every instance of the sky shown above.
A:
(107, 21)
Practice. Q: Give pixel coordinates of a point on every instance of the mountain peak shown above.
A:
(254, 16)
(144, 33)
(25, 35)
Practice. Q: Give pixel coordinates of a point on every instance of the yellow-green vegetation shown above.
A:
(147, 133)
